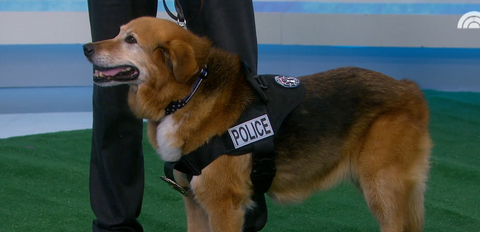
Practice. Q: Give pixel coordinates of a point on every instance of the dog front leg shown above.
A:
(218, 217)
(197, 219)
(226, 218)
(222, 191)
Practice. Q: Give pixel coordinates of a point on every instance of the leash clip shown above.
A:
(180, 18)
(182, 23)
(175, 186)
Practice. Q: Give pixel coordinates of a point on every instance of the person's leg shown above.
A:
(229, 24)
(116, 168)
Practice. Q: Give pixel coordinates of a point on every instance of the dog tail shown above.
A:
(416, 195)
(416, 209)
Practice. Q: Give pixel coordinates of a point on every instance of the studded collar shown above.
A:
(176, 105)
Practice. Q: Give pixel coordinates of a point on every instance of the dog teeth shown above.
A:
(101, 74)
(128, 68)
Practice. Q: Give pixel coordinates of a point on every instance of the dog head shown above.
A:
(147, 49)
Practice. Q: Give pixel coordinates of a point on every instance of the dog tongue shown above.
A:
(113, 71)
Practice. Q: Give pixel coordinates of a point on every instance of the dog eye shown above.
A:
(130, 39)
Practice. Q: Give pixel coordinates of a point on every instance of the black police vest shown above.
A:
(254, 131)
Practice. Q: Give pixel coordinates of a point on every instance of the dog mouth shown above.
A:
(123, 73)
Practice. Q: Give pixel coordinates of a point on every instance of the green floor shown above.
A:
(44, 179)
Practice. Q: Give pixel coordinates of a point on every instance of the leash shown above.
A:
(180, 17)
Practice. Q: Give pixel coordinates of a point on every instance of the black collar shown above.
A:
(176, 105)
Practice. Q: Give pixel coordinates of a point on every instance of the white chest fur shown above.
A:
(169, 148)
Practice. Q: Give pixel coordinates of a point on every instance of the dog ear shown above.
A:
(183, 60)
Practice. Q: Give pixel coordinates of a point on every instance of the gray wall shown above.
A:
(43, 47)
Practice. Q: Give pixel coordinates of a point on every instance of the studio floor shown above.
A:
(45, 177)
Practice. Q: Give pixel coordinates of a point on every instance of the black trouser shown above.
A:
(230, 24)
(117, 168)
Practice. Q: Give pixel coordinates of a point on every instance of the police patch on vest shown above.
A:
(251, 131)
(287, 82)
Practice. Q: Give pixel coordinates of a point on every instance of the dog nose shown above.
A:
(88, 49)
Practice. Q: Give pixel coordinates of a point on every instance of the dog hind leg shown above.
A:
(415, 208)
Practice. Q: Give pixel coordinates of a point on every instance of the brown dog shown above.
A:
(353, 124)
